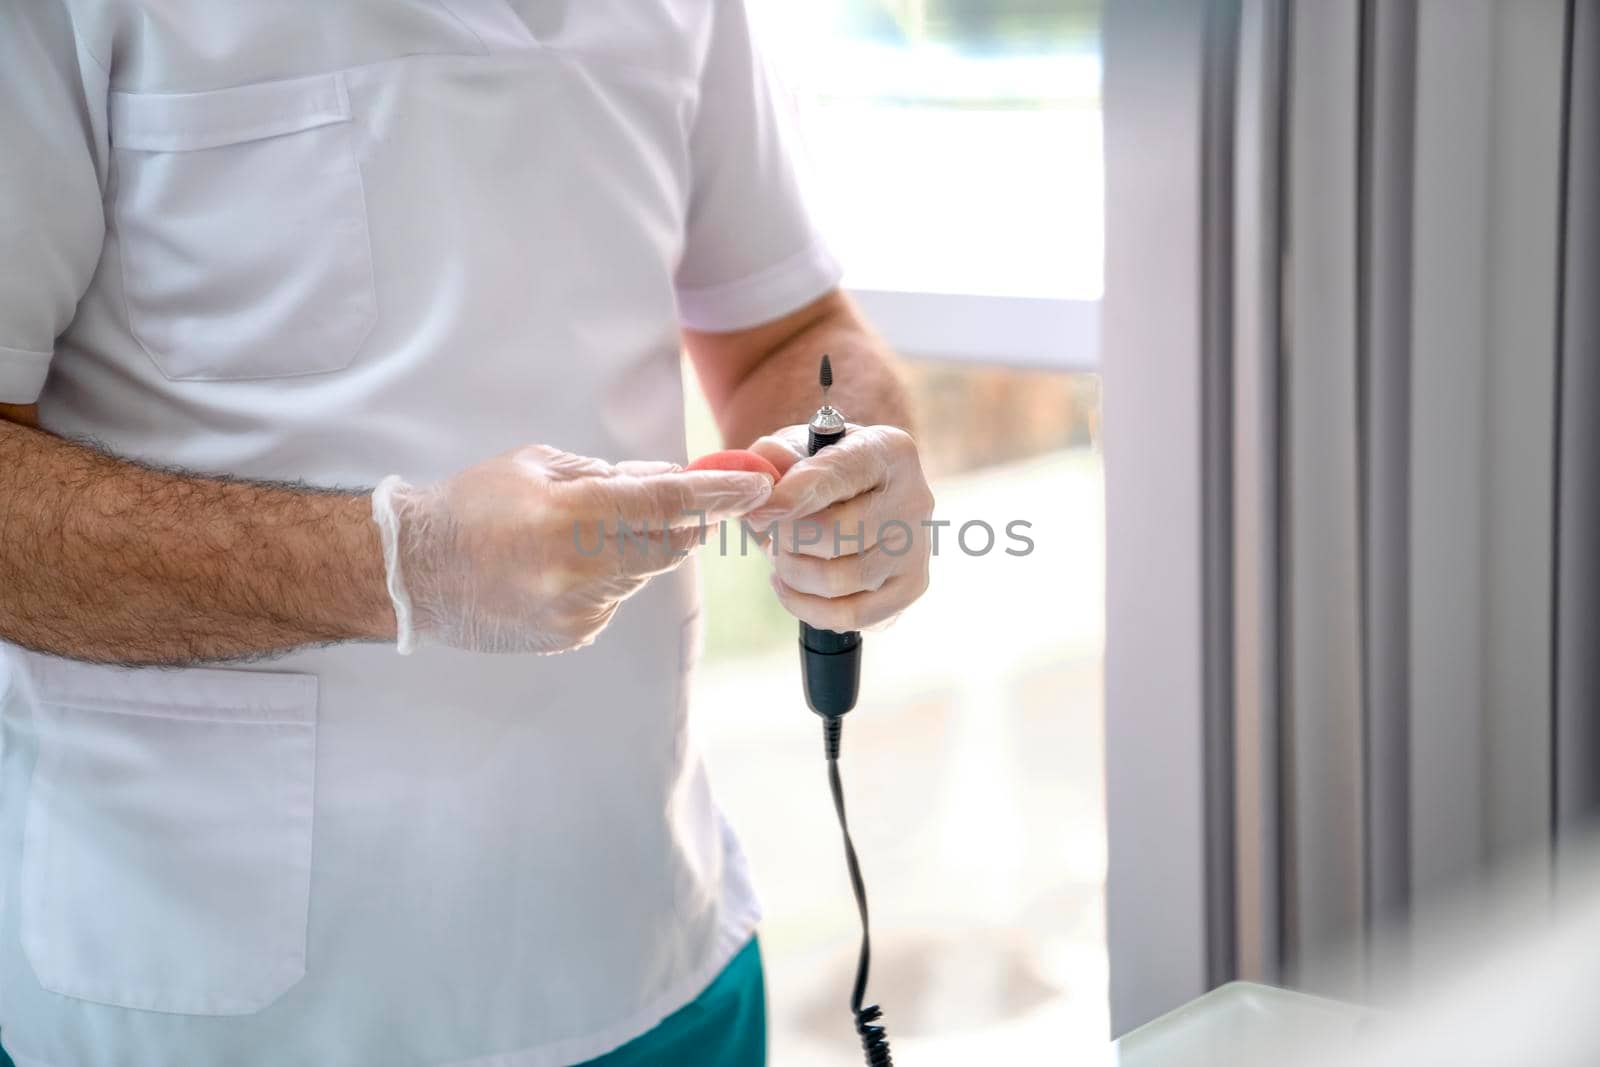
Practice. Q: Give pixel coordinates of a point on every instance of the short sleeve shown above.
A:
(52, 164)
(751, 253)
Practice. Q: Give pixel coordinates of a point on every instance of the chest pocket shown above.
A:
(242, 225)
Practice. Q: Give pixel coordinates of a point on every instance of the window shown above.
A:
(955, 156)
(955, 150)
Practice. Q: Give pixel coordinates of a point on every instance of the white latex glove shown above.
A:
(526, 552)
(870, 482)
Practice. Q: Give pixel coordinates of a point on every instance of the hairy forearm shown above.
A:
(781, 389)
(106, 560)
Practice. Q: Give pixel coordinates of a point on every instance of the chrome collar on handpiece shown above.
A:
(828, 420)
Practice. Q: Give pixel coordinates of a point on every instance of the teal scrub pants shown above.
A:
(725, 1026)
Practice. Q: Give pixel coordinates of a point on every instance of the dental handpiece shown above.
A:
(830, 662)
(830, 665)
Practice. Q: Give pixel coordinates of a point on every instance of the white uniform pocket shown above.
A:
(243, 229)
(167, 847)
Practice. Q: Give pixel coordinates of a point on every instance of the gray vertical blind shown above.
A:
(1256, 474)
(1412, 509)
(1386, 152)
(1321, 708)
(1217, 178)
(1576, 796)
(1395, 610)
(1352, 358)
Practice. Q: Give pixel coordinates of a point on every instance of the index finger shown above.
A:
(681, 500)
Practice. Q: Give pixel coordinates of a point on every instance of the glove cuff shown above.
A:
(387, 519)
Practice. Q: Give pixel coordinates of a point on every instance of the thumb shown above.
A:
(782, 448)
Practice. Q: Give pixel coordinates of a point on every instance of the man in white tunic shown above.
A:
(322, 325)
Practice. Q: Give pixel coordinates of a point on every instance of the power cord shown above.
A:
(830, 668)
(874, 1039)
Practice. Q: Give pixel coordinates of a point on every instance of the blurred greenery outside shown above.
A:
(1008, 27)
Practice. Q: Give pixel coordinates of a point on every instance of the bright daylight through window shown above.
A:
(954, 162)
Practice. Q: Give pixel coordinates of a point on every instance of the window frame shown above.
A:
(1026, 332)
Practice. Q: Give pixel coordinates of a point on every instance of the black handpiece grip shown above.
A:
(830, 666)
(830, 662)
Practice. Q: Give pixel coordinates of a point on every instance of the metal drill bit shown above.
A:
(827, 420)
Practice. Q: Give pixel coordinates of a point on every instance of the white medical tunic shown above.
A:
(327, 241)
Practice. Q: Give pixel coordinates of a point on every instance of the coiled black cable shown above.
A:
(874, 1039)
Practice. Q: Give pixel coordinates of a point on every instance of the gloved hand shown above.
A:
(871, 483)
(526, 552)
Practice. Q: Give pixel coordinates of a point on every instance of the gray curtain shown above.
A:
(1410, 587)
(1577, 564)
